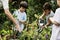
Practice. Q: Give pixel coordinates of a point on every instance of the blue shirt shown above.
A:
(20, 16)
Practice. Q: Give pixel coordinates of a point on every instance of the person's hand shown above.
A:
(18, 27)
(41, 17)
(57, 24)
(42, 27)
(45, 26)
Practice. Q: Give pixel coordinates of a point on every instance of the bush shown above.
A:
(33, 12)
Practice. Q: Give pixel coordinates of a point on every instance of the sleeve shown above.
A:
(57, 16)
(52, 14)
(5, 4)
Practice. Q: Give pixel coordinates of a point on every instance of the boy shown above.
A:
(21, 14)
(56, 24)
(47, 12)
(5, 4)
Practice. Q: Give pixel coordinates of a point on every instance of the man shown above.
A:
(56, 24)
(5, 4)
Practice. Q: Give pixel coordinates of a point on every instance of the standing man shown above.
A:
(56, 24)
(5, 4)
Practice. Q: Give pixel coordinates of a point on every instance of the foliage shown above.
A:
(33, 12)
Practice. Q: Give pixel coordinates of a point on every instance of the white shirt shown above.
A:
(57, 15)
(50, 15)
(21, 16)
(56, 29)
(57, 19)
(4, 3)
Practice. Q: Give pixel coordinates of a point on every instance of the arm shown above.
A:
(45, 26)
(54, 22)
(42, 16)
(48, 23)
(23, 21)
(8, 14)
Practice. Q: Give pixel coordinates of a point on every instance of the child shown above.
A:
(21, 14)
(56, 24)
(47, 12)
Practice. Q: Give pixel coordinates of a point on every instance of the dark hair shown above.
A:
(23, 4)
(47, 6)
